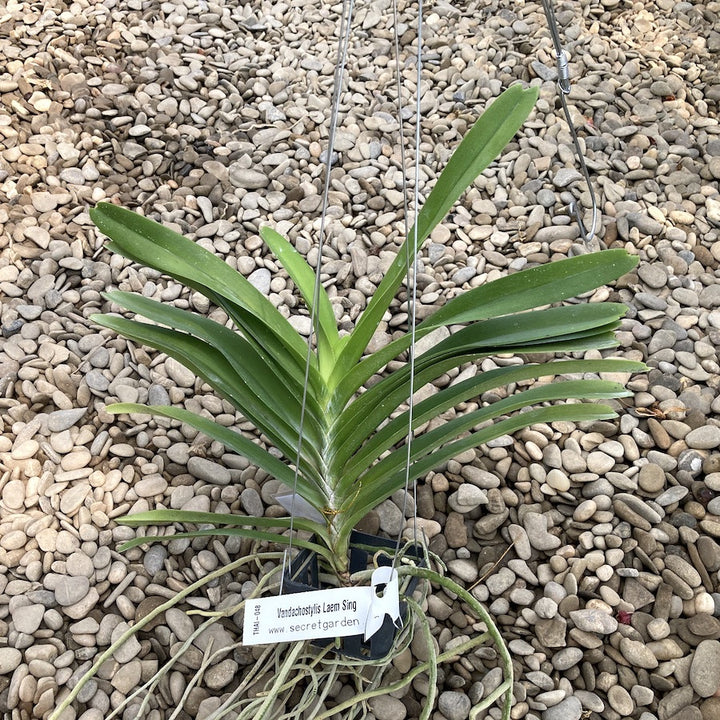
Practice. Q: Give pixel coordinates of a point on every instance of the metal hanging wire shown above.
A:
(343, 43)
(411, 263)
(563, 82)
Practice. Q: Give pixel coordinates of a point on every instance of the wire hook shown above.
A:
(563, 83)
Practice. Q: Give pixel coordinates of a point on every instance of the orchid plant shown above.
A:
(352, 455)
(330, 429)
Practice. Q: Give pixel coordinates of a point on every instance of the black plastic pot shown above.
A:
(303, 575)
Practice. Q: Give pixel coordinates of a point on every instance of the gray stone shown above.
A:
(535, 525)
(466, 498)
(180, 623)
(28, 618)
(594, 621)
(209, 471)
(683, 569)
(569, 709)
(651, 478)
(704, 438)
(221, 674)
(129, 649)
(154, 558)
(454, 705)
(705, 668)
(127, 677)
(638, 654)
(566, 176)
(566, 658)
(61, 420)
(260, 280)
(386, 707)
(158, 395)
(464, 569)
(247, 178)
(499, 582)
(620, 700)
(70, 590)
(653, 275)
(10, 658)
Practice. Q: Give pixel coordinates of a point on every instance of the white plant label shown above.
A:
(336, 612)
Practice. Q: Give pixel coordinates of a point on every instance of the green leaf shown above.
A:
(516, 334)
(368, 495)
(534, 287)
(514, 331)
(208, 363)
(149, 243)
(431, 441)
(515, 293)
(367, 443)
(480, 146)
(232, 532)
(304, 277)
(164, 517)
(270, 384)
(309, 483)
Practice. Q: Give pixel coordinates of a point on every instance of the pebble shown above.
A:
(221, 674)
(604, 518)
(569, 709)
(621, 701)
(70, 590)
(466, 498)
(27, 618)
(705, 668)
(636, 653)
(129, 649)
(454, 705)
(594, 621)
(536, 527)
(208, 471)
(62, 420)
(704, 438)
(127, 677)
(651, 478)
(566, 658)
(10, 659)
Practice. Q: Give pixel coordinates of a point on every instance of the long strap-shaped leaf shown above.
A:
(271, 385)
(430, 441)
(516, 330)
(254, 329)
(311, 488)
(367, 443)
(304, 277)
(511, 294)
(383, 397)
(209, 364)
(480, 146)
(149, 243)
(164, 517)
(264, 340)
(534, 287)
(512, 334)
(321, 550)
(373, 493)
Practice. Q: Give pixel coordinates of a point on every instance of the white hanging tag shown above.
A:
(299, 507)
(335, 612)
(385, 600)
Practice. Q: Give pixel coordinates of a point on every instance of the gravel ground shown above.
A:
(213, 118)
